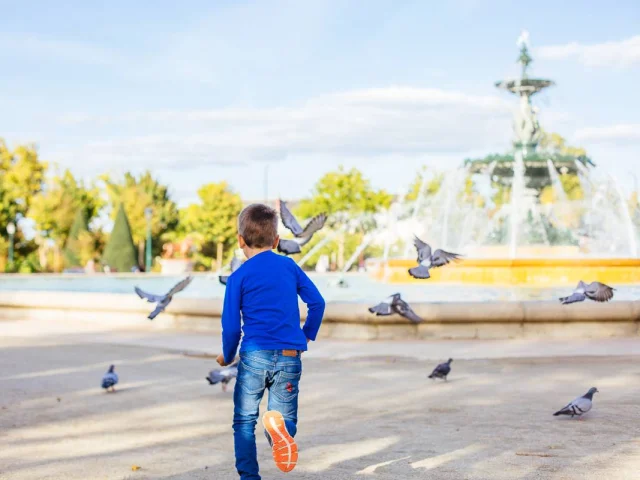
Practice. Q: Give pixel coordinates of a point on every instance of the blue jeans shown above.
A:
(257, 371)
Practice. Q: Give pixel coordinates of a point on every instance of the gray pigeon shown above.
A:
(395, 304)
(302, 236)
(579, 406)
(442, 370)
(235, 265)
(223, 376)
(163, 300)
(110, 379)
(427, 259)
(595, 291)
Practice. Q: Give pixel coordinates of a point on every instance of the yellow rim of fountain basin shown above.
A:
(531, 272)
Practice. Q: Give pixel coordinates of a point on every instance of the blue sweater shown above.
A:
(265, 290)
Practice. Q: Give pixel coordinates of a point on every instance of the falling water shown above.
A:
(330, 236)
(556, 184)
(364, 244)
(517, 193)
(417, 205)
(633, 247)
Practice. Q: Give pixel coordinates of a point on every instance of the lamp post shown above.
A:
(11, 230)
(148, 214)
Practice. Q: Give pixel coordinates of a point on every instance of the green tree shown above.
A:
(343, 195)
(571, 186)
(432, 187)
(212, 222)
(137, 194)
(21, 176)
(346, 192)
(58, 205)
(120, 252)
(554, 143)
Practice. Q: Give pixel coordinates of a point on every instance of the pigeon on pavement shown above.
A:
(110, 379)
(579, 406)
(594, 291)
(395, 304)
(235, 265)
(223, 376)
(302, 236)
(428, 259)
(442, 370)
(163, 300)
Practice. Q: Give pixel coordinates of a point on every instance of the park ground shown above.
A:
(367, 409)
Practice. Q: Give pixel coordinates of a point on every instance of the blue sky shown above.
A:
(203, 91)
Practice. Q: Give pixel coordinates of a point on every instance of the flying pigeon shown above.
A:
(395, 304)
(110, 379)
(223, 376)
(163, 300)
(235, 264)
(427, 260)
(301, 236)
(579, 406)
(595, 291)
(442, 370)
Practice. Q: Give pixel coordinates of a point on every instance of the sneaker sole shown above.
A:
(284, 449)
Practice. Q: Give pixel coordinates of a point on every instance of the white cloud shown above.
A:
(394, 120)
(625, 133)
(622, 53)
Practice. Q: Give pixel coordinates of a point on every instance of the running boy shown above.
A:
(264, 292)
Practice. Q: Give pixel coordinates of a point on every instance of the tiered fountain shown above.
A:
(522, 241)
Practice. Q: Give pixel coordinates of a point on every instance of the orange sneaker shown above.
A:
(283, 446)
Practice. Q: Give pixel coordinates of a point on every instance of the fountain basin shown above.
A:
(344, 320)
(531, 272)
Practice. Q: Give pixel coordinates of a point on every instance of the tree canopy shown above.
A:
(344, 191)
(58, 205)
(213, 220)
(21, 176)
(136, 194)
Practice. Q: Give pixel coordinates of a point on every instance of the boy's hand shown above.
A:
(221, 361)
(308, 340)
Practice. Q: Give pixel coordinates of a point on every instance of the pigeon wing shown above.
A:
(288, 247)
(441, 370)
(109, 379)
(288, 220)
(159, 308)
(181, 285)
(315, 224)
(577, 407)
(149, 297)
(423, 249)
(402, 308)
(599, 292)
(230, 371)
(215, 376)
(381, 309)
(441, 257)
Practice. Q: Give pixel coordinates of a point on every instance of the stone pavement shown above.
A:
(367, 409)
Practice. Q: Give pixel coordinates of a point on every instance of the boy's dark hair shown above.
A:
(258, 225)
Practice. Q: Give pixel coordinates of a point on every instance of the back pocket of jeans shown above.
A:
(286, 386)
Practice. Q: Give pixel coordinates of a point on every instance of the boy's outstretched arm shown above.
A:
(315, 305)
(231, 327)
